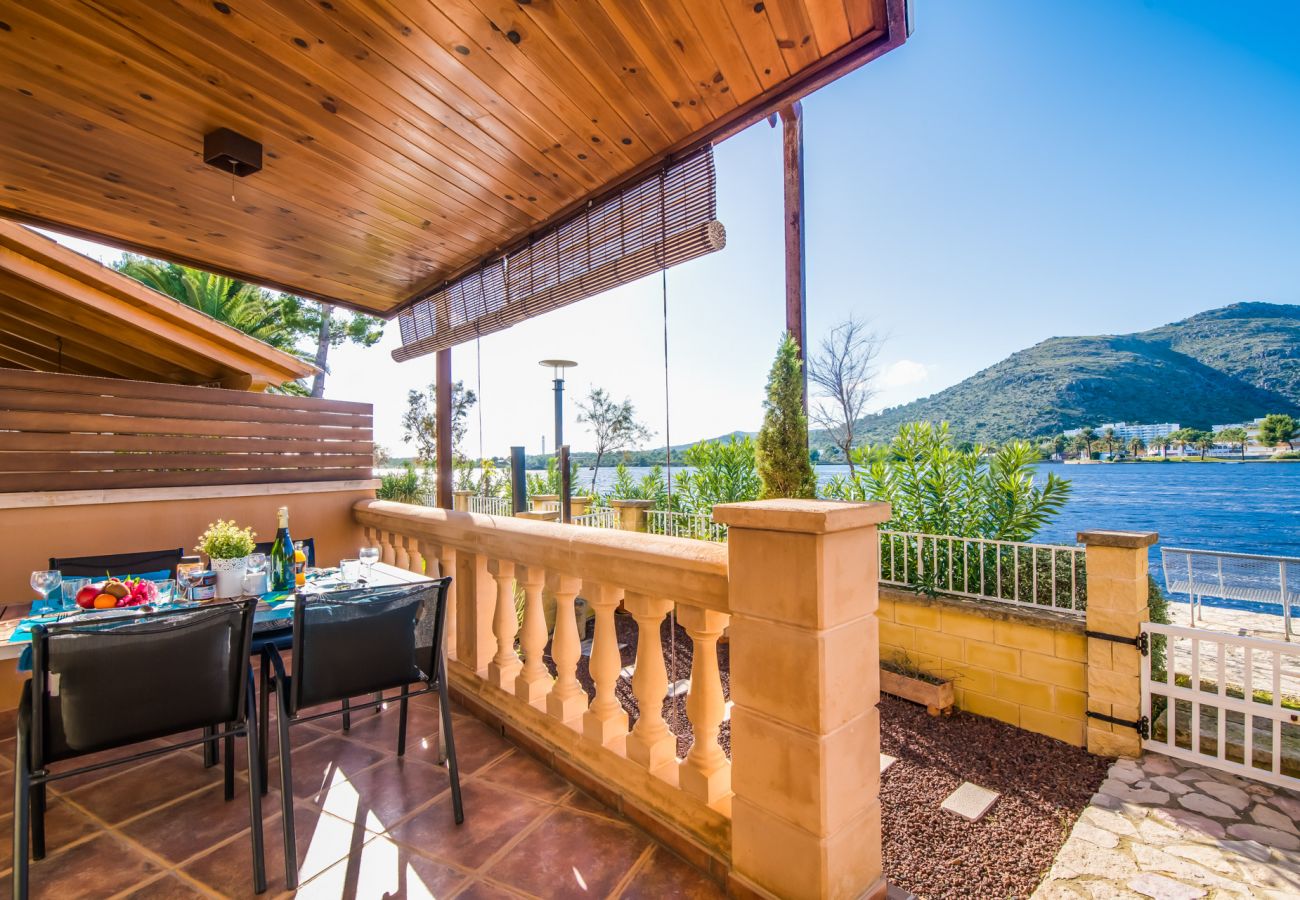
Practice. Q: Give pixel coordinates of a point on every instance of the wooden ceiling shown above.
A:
(404, 140)
(63, 312)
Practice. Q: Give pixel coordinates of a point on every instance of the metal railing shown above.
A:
(1273, 582)
(491, 506)
(598, 518)
(679, 524)
(1040, 575)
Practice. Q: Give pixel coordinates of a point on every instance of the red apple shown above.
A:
(86, 596)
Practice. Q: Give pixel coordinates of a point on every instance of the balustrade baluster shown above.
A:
(651, 743)
(605, 721)
(444, 558)
(533, 681)
(401, 558)
(567, 700)
(415, 561)
(385, 542)
(706, 772)
(506, 663)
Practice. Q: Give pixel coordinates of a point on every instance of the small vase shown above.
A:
(230, 576)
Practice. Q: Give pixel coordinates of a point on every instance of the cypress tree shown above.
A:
(782, 448)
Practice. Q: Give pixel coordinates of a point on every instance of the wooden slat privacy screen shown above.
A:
(665, 219)
(70, 432)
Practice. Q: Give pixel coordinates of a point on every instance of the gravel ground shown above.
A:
(1044, 783)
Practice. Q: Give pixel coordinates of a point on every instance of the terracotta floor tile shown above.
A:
(139, 790)
(208, 820)
(477, 745)
(169, 887)
(584, 802)
(666, 875)
(7, 752)
(483, 890)
(380, 731)
(64, 824)
(571, 854)
(71, 783)
(99, 867)
(322, 841)
(387, 792)
(521, 772)
(384, 868)
(492, 818)
(321, 763)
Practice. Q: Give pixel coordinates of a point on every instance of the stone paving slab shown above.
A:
(1167, 829)
(970, 801)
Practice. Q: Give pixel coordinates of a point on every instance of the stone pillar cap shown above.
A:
(803, 516)
(463, 493)
(631, 504)
(1127, 540)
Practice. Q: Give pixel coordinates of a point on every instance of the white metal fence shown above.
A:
(1226, 701)
(1271, 581)
(1041, 575)
(491, 506)
(598, 518)
(679, 524)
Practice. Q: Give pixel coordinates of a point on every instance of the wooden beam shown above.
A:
(796, 314)
(444, 428)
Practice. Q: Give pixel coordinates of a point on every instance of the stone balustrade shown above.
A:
(807, 680)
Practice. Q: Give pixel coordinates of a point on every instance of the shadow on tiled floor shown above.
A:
(369, 825)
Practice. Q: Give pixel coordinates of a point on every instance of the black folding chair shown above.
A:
(99, 685)
(352, 643)
(119, 564)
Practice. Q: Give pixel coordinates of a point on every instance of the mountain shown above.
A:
(1224, 365)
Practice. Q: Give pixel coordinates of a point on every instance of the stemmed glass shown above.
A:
(46, 582)
(369, 556)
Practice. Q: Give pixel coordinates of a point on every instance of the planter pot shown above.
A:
(230, 576)
(936, 698)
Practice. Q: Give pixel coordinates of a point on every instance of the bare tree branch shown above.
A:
(843, 370)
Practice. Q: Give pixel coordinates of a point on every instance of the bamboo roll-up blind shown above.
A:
(665, 219)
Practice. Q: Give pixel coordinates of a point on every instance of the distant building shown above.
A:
(1251, 429)
(1126, 431)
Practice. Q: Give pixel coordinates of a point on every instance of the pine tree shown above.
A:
(782, 449)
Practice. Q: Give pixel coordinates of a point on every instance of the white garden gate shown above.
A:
(1221, 700)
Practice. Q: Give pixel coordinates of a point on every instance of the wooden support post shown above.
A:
(444, 428)
(796, 316)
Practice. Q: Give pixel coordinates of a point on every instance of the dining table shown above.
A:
(274, 612)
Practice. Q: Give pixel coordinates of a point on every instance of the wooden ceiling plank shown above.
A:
(160, 96)
(830, 23)
(375, 61)
(567, 50)
(36, 358)
(272, 78)
(480, 81)
(740, 79)
(89, 328)
(531, 64)
(683, 42)
(512, 77)
(754, 28)
(17, 324)
(794, 32)
(863, 15)
(133, 199)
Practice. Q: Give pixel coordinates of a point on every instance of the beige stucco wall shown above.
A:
(1025, 667)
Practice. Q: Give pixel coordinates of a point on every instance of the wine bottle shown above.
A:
(282, 561)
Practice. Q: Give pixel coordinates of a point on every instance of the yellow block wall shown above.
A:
(1031, 673)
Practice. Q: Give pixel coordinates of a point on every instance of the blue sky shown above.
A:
(1015, 171)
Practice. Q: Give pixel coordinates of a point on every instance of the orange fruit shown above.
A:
(105, 601)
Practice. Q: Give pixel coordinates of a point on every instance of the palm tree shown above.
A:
(1180, 439)
(1108, 441)
(1136, 445)
(236, 303)
(1163, 443)
(1204, 441)
(1089, 434)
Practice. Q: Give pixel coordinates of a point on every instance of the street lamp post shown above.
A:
(557, 367)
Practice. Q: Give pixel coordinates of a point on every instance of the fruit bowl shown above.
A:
(115, 593)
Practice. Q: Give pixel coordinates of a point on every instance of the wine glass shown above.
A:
(369, 556)
(255, 574)
(46, 581)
